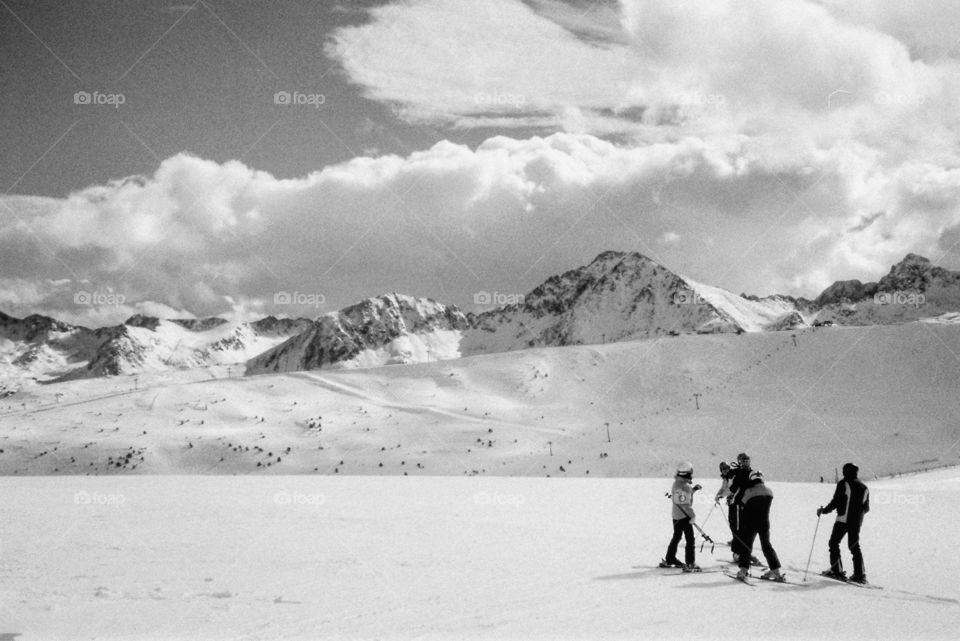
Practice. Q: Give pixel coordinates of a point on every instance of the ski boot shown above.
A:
(838, 575)
(742, 574)
(773, 575)
(858, 578)
(670, 564)
(691, 567)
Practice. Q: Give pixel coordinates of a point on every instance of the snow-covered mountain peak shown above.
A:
(617, 296)
(391, 328)
(409, 313)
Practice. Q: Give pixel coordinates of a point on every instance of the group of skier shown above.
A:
(748, 514)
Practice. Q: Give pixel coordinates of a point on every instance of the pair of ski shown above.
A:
(749, 580)
(846, 581)
(679, 569)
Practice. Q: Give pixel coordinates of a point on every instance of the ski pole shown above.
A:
(812, 543)
(712, 508)
(705, 536)
(702, 533)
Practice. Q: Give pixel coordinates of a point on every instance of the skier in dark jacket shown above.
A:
(738, 479)
(755, 521)
(851, 500)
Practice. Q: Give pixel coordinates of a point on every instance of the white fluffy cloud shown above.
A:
(760, 147)
(449, 221)
(699, 67)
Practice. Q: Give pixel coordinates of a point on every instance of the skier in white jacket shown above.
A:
(681, 495)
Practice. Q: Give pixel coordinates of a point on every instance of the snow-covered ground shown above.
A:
(796, 401)
(308, 543)
(314, 557)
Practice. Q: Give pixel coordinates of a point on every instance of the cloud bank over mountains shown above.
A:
(761, 147)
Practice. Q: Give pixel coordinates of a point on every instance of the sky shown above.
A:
(249, 158)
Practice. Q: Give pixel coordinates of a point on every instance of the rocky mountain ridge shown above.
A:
(616, 297)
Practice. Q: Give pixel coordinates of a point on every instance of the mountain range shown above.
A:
(616, 297)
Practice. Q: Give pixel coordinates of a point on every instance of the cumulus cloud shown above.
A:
(642, 67)
(836, 102)
(760, 147)
(203, 237)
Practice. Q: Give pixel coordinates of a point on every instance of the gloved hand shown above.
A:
(819, 510)
(697, 487)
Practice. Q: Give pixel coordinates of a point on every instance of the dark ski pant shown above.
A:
(852, 532)
(755, 521)
(733, 520)
(682, 527)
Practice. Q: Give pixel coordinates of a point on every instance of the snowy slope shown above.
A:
(796, 406)
(751, 315)
(448, 558)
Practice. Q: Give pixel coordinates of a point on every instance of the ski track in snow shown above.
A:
(357, 392)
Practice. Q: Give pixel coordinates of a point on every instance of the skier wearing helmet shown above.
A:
(851, 500)
(726, 495)
(755, 521)
(681, 495)
(737, 477)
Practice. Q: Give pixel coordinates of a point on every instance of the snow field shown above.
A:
(447, 558)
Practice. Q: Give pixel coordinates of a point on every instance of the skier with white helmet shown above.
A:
(681, 495)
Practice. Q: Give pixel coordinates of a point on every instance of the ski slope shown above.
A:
(801, 403)
(320, 557)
